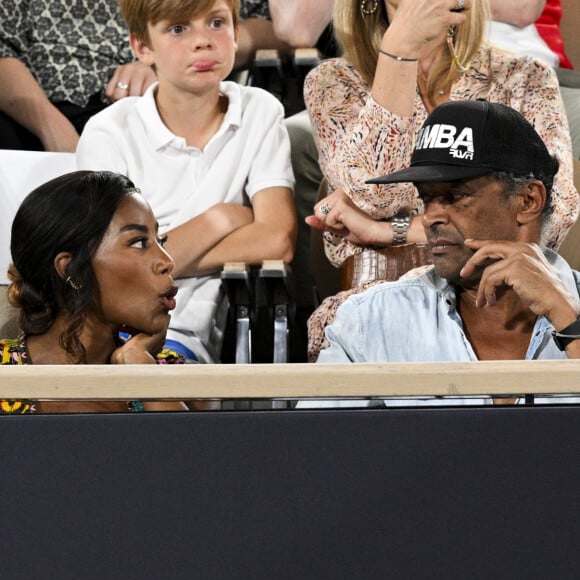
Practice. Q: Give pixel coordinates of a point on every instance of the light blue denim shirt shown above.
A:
(416, 320)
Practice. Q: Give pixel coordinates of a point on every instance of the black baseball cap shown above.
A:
(464, 139)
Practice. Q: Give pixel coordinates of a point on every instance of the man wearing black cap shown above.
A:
(485, 178)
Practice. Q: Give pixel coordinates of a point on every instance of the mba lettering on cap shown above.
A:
(441, 136)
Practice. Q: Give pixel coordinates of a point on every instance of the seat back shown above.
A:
(283, 75)
(261, 312)
(20, 173)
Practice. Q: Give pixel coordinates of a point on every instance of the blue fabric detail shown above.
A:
(170, 345)
(179, 349)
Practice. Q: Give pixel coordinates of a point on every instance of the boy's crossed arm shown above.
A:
(234, 233)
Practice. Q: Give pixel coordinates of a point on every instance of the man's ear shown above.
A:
(141, 50)
(532, 199)
(61, 263)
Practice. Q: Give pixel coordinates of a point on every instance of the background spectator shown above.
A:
(60, 63)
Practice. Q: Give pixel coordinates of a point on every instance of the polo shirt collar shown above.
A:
(159, 134)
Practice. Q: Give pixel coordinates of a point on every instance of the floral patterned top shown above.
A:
(358, 139)
(15, 352)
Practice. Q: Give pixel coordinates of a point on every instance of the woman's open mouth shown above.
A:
(168, 298)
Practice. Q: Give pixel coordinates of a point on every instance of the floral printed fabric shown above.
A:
(358, 139)
(169, 357)
(14, 352)
(12, 407)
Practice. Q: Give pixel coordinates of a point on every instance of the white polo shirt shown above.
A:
(249, 152)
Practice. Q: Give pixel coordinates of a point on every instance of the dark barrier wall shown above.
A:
(430, 493)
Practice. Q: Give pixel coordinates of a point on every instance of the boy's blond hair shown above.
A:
(139, 13)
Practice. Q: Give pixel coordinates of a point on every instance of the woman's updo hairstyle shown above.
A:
(68, 214)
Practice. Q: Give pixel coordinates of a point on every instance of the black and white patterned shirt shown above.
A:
(254, 9)
(72, 47)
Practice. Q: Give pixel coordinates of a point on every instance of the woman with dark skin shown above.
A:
(88, 264)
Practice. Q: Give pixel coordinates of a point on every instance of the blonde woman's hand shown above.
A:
(416, 25)
(337, 213)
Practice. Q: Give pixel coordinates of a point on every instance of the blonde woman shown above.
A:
(401, 58)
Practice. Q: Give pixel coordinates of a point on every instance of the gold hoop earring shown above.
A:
(368, 7)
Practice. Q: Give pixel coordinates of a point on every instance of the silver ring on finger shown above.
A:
(460, 5)
(325, 209)
(123, 86)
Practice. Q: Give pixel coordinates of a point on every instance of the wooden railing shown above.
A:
(287, 381)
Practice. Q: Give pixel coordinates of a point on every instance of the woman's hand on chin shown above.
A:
(141, 348)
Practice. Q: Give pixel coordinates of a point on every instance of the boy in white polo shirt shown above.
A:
(211, 157)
